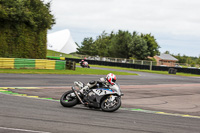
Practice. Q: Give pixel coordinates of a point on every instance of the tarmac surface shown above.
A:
(170, 93)
(32, 115)
(173, 98)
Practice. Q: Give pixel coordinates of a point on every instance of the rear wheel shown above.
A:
(67, 100)
(111, 106)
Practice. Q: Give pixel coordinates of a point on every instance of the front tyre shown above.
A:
(67, 100)
(110, 106)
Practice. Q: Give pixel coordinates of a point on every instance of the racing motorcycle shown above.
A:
(106, 98)
(84, 64)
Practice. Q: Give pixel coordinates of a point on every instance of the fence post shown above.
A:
(151, 65)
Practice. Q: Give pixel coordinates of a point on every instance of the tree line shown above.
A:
(122, 44)
(33, 13)
(184, 59)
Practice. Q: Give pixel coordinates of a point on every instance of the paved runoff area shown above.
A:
(164, 98)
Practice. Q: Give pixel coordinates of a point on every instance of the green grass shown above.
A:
(140, 70)
(54, 53)
(57, 54)
(79, 71)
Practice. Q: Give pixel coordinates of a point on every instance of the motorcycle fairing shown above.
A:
(103, 91)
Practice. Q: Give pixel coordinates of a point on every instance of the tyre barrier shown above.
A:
(20, 63)
(172, 71)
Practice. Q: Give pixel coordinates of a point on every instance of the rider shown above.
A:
(81, 62)
(103, 82)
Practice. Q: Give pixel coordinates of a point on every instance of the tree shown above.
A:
(33, 13)
(181, 59)
(166, 52)
(120, 44)
(198, 61)
(23, 28)
(88, 47)
(102, 44)
(152, 44)
(138, 47)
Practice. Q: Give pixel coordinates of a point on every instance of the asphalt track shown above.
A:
(44, 80)
(22, 114)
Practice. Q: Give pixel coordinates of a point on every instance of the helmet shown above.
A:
(111, 78)
(82, 60)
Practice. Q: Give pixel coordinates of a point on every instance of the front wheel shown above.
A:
(109, 105)
(67, 100)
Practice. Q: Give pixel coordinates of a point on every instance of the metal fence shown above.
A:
(119, 60)
(138, 66)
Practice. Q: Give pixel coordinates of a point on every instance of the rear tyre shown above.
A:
(67, 100)
(111, 107)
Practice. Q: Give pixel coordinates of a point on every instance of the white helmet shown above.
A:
(111, 78)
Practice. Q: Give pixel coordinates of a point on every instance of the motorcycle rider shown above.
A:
(103, 82)
(81, 63)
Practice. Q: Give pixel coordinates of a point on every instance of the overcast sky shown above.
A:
(174, 23)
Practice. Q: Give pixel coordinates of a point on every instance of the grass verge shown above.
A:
(79, 71)
(57, 54)
(140, 70)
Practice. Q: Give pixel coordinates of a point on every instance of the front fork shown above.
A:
(75, 92)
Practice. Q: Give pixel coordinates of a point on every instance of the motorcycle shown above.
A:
(107, 99)
(84, 64)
